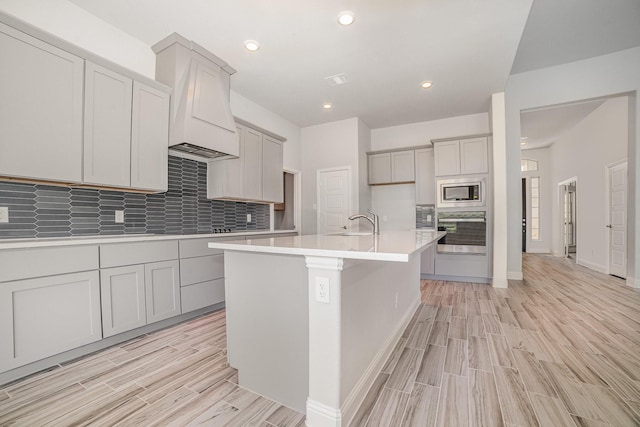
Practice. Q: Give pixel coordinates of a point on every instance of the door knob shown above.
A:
(344, 226)
(609, 226)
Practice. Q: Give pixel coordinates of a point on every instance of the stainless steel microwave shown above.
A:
(461, 192)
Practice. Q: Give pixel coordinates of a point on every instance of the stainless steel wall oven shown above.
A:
(466, 232)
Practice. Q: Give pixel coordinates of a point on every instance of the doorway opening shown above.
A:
(286, 215)
(568, 190)
(524, 215)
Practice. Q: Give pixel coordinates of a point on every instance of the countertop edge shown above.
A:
(102, 240)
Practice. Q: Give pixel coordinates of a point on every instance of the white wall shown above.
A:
(547, 198)
(421, 133)
(598, 140)
(75, 25)
(364, 145)
(602, 76)
(329, 145)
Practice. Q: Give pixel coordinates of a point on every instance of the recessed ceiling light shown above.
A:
(426, 84)
(327, 106)
(346, 18)
(251, 45)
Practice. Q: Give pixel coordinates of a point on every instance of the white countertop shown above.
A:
(123, 238)
(387, 246)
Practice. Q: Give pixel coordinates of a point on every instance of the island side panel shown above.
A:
(268, 324)
(378, 301)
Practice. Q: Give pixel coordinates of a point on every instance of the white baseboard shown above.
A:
(362, 387)
(539, 251)
(320, 415)
(592, 265)
(633, 282)
(514, 275)
(500, 283)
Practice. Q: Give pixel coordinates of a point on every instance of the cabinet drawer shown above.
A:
(202, 295)
(137, 253)
(18, 264)
(201, 269)
(197, 247)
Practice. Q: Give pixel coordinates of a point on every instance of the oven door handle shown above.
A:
(462, 220)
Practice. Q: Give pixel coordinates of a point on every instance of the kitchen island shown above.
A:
(312, 319)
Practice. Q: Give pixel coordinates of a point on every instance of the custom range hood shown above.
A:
(201, 120)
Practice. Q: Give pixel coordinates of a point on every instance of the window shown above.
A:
(535, 207)
(527, 165)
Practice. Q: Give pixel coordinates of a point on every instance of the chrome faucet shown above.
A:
(373, 220)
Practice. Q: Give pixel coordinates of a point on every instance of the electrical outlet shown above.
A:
(248, 218)
(119, 217)
(322, 290)
(4, 214)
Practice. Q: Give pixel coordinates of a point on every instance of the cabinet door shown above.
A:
(107, 127)
(379, 168)
(225, 178)
(41, 98)
(149, 138)
(473, 156)
(123, 299)
(272, 177)
(402, 166)
(46, 316)
(252, 164)
(425, 177)
(447, 158)
(162, 284)
(428, 260)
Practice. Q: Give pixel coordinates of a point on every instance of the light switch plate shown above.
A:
(4, 214)
(119, 217)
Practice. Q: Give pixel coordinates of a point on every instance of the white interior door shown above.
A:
(334, 194)
(618, 220)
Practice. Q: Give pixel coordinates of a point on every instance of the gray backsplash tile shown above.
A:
(48, 211)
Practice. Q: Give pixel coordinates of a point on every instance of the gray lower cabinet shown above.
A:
(45, 316)
(123, 296)
(140, 284)
(201, 274)
(162, 287)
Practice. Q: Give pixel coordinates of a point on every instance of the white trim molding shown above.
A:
(320, 415)
(514, 275)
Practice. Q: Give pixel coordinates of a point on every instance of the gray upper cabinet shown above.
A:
(256, 175)
(252, 164)
(126, 135)
(391, 167)
(425, 177)
(272, 178)
(70, 116)
(107, 127)
(149, 138)
(41, 103)
(461, 157)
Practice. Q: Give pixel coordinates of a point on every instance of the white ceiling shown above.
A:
(467, 48)
(562, 31)
(542, 127)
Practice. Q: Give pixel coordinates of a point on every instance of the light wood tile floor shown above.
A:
(561, 348)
